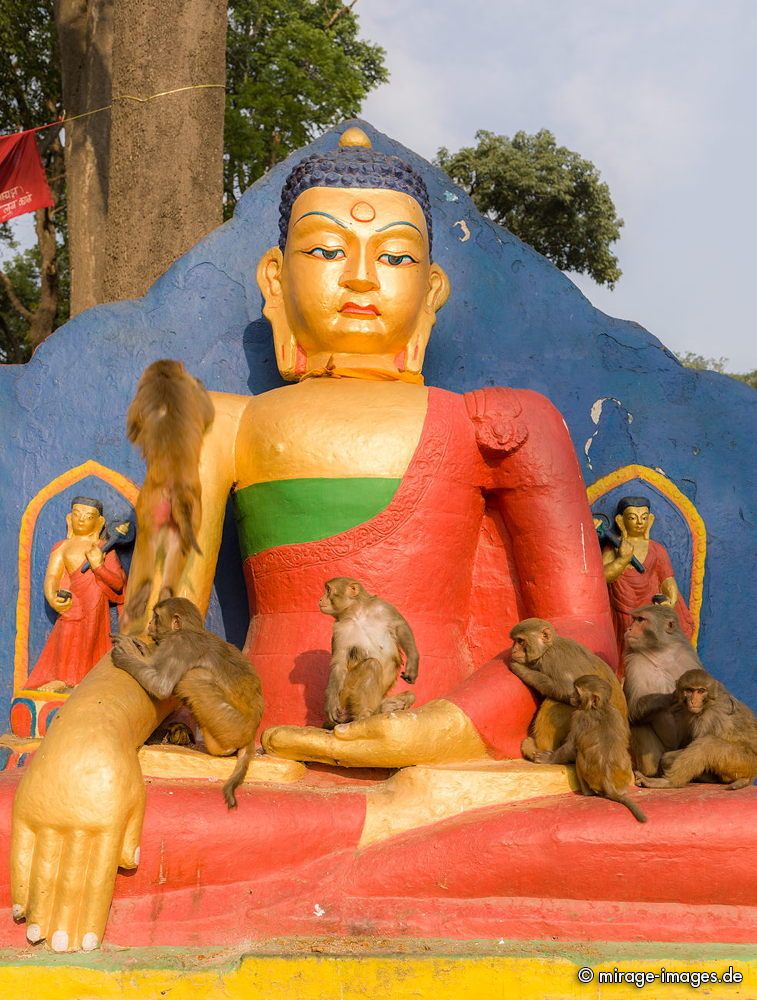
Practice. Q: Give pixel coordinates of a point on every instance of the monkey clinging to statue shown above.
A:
(367, 643)
(211, 676)
(168, 418)
(550, 664)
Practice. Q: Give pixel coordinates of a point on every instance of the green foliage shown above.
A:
(30, 95)
(547, 195)
(294, 68)
(698, 361)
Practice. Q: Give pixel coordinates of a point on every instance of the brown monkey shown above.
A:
(598, 742)
(168, 418)
(367, 643)
(209, 675)
(550, 664)
(655, 653)
(721, 736)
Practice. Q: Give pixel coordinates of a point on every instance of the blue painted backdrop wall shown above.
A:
(512, 319)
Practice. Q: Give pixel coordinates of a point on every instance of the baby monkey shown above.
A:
(598, 742)
(367, 644)
(211, 676)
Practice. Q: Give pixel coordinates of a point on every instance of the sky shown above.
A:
(658, 94)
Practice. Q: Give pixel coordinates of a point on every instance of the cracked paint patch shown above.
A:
(463, 229)
(596, 415)
(450, 196)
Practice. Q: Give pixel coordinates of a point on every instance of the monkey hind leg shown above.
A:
(551, 725)
(186, 512)
(397, 703)
(136, 604)
(238, 774)
(646, 750)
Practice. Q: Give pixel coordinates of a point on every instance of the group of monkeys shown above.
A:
(682, 721)
(669, 714)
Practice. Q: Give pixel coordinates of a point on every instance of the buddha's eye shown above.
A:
(397, 259)
(325, 254)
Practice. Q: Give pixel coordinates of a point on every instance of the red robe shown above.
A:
(81, 636)
(633, 590)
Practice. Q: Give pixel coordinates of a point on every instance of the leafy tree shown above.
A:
(691, 360)
(549, 196)
(31, 300)
(294, 68)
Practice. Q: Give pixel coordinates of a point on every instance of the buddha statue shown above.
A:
(467, 512)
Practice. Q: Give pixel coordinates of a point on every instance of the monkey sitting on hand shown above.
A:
(211, 677)
(367, 643)
(598, 742)
(722, 736)
(550, 664)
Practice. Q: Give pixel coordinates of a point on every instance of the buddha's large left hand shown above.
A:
(436, 733)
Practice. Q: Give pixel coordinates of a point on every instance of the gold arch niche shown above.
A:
(26, 537)
(690, 514)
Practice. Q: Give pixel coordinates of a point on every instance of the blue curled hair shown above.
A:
(352, 167)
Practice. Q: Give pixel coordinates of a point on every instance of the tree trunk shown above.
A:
(42, 319)
(85, 34)
(166, 154)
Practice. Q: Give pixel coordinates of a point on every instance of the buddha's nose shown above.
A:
(360, 284)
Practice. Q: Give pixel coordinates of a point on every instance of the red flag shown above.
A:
(23, 186)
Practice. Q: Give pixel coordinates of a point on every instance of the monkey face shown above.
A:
(338, 595)
(695, 699)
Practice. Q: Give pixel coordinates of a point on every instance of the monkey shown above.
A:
(550, 663)
(656, 653)
(598, 742)
(367, 643)
(721, 736)
(167, 419)
(210, 676)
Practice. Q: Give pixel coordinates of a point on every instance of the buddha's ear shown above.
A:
(69, 527)
(438, 288)
(269, 282)
(437, 294)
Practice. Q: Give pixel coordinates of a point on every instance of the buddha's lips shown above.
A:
(353, 309)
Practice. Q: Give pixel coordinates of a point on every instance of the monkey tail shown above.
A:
(184, 506)
(629, 804)
(238, 774)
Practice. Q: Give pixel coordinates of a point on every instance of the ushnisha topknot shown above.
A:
(353, 164)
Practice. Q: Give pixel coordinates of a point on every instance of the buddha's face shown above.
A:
(635, 521)
(85, 520)
(355, 278)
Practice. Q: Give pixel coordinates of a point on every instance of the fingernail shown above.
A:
(137, 855)
(33, 933)
(59, 941)
(89, 942)
(18, 911)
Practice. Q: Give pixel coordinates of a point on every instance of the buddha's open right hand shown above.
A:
(78, 811)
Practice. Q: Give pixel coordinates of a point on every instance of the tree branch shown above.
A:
(16, 302)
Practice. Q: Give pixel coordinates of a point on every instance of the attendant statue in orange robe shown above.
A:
(81, 635)
(630, 589)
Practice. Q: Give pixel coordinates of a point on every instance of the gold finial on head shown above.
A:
(355, 137)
